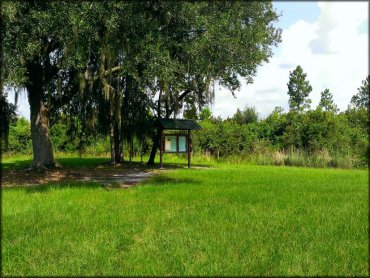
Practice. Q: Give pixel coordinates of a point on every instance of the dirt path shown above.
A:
(109, 176)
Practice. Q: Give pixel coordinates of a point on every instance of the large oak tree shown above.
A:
(114, 57)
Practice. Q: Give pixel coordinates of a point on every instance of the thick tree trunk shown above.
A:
(115, 143)
(40, 133)
(156, 137)
(154, 148)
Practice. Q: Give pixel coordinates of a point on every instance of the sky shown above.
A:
(328, 39)
(330, 42)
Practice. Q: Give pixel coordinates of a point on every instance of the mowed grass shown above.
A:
(227, 220)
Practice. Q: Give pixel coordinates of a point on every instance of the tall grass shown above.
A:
(298, 158)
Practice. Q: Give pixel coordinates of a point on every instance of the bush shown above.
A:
(20, 137)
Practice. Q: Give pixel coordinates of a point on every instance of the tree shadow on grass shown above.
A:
(75, 162)
(16, 164)
(184, 165)
(65, 162)
(43, 188)
(163, 179)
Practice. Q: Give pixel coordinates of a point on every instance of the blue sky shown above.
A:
(307, 11)
(291, 12)
(328, 39)
(294, 11)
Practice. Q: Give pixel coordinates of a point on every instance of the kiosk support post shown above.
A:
(188, 145)
(160, 148)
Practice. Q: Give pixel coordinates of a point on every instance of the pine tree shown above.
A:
(298, 90)
(362, 98)
(327, 103)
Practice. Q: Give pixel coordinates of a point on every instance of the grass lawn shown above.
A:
(227, 220)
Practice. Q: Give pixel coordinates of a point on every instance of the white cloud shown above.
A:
(331, 50)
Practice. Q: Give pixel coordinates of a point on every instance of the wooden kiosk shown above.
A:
(176, 142)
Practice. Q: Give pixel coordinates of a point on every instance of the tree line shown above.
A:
(320, 137)
(302, 136)
(109, 68)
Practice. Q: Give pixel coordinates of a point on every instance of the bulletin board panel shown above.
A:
(175, 143)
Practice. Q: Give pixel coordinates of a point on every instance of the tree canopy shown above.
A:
(361, 100)
(99, 60)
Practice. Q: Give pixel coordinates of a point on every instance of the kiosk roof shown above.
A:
(178, 124)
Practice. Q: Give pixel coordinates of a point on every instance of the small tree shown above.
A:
(205, 114)
(327, 103)
(361, 99)
(249, 115)
(298, 90)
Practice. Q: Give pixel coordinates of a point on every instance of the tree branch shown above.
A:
(181, 97)
(107, 72)
(57, 103)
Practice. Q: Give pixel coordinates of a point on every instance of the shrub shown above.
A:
(321, 158)
(279, 157)
(20, 137)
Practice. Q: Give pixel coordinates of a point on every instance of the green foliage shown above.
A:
(362, 99)
(20, 137)
(7, 116)
(315, 138)
(205, 114)
(298, 90)
(275, 126)
(59, 138)
(85, 53)
(190, 111)
(327, 102)
(248, 115)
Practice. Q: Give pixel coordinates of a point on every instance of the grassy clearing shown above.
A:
(228, 220)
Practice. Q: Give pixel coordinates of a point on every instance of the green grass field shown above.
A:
(226, 220)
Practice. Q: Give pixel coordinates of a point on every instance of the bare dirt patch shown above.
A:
(112, 177)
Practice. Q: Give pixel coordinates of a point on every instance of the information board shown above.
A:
(170, 143)
(175, 143)
(182, 143)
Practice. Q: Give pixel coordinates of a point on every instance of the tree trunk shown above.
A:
(122, 122)
(130, 150)
(141, 151)
(156, 137)
(121, 138)
(117, 144)
(112, 143)
(154, 147)
(40, 133)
